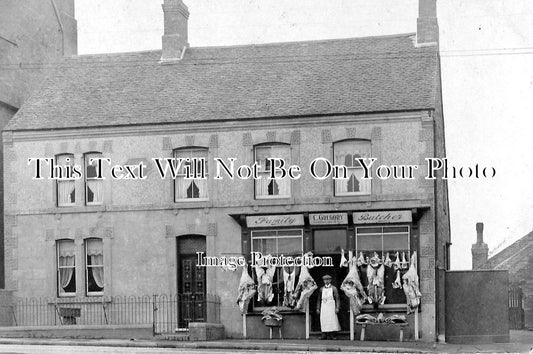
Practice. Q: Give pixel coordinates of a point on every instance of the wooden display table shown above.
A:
(364, 324)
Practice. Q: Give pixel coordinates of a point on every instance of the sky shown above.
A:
(487, 76)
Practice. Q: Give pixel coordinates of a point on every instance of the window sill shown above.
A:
(351, 198)
(273, 201)
(198, 203)
(79, 300)
(78, 208)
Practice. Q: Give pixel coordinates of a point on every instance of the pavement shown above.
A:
(521, 342)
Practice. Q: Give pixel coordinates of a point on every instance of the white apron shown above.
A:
(328, 318)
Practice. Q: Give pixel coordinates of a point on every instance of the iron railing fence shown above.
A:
(166, 313)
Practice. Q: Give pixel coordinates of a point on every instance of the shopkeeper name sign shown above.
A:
(328, 219)
(373, 217)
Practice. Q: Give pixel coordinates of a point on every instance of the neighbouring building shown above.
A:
(87, 240)
(34, 36)
(516, 258)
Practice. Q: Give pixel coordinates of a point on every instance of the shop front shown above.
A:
(379, 243)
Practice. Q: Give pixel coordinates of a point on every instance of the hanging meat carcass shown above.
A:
(264, 283)
(289, 282)
(353, 288)
(247, 289)
(397, 284)
(344, 261)
(361, 260)
(305, 287)
(388, 261)
(404, 263)
(410, 286)
(375, 274)
(397, 264)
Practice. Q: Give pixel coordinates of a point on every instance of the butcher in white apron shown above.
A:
(328, 303)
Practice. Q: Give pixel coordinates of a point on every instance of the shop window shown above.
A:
(329, 241)
(266, 187)
(186, 188)
(94, 266)
(66, 267)
(93, 185)
(346, 153)
(66, 189)
(276, 243)
(383, 240)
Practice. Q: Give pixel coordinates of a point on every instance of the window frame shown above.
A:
(59, 204)
(278, 295)
(411, 249)
(267, 172)
(180, 177)
(86, 178)
(335, 181)
(60, 292)
(87, 266)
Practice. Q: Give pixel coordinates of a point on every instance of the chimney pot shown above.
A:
(479, 229)
(480, 250)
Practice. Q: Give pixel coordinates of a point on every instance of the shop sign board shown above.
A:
(328, 219)
(380, 217)
(275, 220)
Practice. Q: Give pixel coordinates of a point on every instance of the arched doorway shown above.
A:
(191, 280)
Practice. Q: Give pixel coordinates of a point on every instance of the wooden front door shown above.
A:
(191, 281)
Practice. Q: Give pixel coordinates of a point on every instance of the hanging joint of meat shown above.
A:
(411, 287)
(288, 294)
(247, 290)
(264, 283)
(375, 273)
(353, 288)
(305, 287)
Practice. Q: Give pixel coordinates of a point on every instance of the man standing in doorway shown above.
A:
(327, 307)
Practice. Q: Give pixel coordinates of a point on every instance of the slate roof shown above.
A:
(521, 246)
(357, 75)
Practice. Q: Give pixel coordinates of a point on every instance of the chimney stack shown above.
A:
(427, 28)
(480, 250)
(176, 15)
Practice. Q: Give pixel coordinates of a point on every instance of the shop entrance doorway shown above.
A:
(328, 242)
(191, 280)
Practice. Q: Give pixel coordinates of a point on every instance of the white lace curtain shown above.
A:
(65, 192)
(96, 256)
(345, 154)
(66, 261)
(265, 186)
(188, 188)
(96, 188)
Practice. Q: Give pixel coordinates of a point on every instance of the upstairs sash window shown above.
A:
(265, 187)
(93, 186)
(66, 188)
(191, 189)
(346, 153)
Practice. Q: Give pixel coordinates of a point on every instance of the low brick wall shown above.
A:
(79, 331)
(201, 331)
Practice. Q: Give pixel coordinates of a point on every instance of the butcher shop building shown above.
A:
(90, 244)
